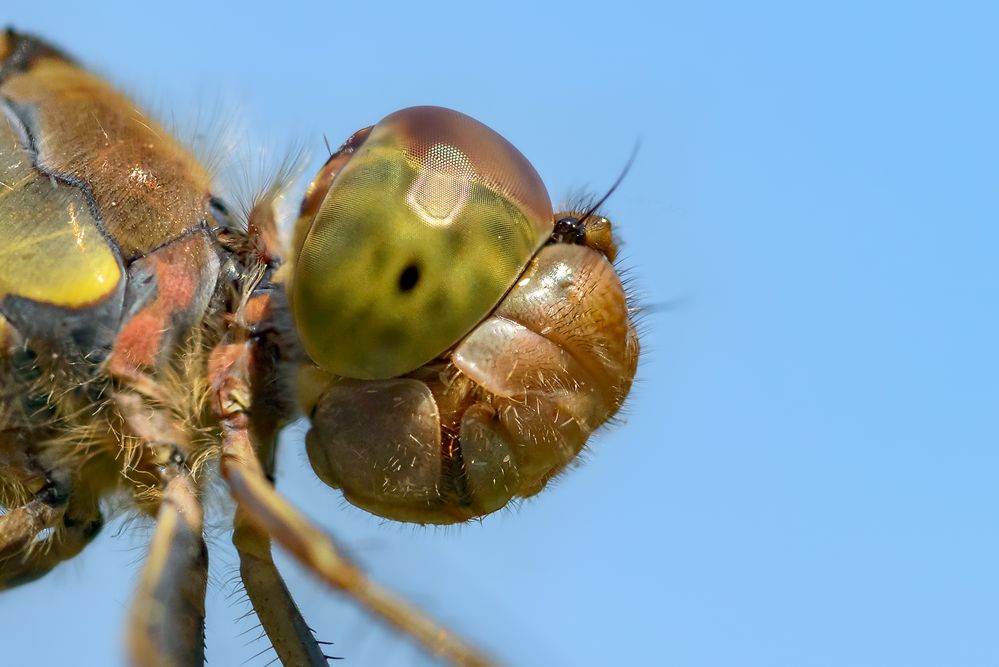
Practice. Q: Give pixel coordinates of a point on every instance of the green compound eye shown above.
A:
(422, 231)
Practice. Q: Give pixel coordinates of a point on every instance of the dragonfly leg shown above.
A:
(167, 623)
(280, 617)
(282, 621)
(21, 525)
(26, 553)
(290, 636)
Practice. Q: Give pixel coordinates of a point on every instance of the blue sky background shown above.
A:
(808, 471)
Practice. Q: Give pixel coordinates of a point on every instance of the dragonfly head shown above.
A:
(465, 346)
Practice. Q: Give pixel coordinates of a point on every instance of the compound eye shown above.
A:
(426, 226)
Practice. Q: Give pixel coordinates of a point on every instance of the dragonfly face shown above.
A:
(452, 347)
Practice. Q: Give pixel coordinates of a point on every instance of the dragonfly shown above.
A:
(451, 338)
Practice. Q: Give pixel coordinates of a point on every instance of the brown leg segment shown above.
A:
(280, 617)
(74, 521)
(20, 526)
(282, 621)
(167, 625)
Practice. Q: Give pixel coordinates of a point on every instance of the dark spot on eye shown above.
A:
(409, 277)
